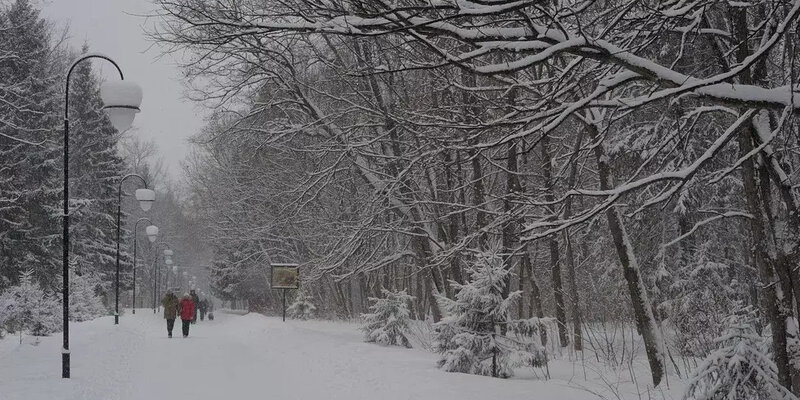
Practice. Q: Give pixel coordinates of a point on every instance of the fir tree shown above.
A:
(740, 368)
(28, 307)
(387, 324)
(95, 171)
(301, 307)
(471, 339)
(29, 150)
(84, 303)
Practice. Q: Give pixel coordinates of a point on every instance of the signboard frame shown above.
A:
(290, 280)
(294, 273)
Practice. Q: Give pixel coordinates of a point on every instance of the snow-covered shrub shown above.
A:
(472, 338)
(301, 307)
(700, 297)
(740, 368)
(4, 306)
(84, 304)
(27, 307)
(388, 323)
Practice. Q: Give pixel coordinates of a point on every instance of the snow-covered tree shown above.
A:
(740, 368)
(29, 308)
(84, 303)
(701, 298)
(29, 146)
(387, 323)
(302, 307)
(95, 171)
(471, 338)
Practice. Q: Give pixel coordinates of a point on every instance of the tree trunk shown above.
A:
(552, 241)
(575, 309)
(536, 298)
(642, 309)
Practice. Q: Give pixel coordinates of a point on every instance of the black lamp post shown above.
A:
(146, 198)
(152, 233)
(121, 101)
(167, 253)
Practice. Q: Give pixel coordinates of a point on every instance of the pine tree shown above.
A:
(301, 307)
(29, 149)
(740, 368)
(84, 303)
(95, 171)
(471, 339)
(28, 307)
(387, 324)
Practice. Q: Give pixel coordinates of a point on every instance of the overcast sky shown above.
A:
(115, 28)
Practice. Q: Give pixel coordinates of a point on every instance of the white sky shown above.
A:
(114, 27)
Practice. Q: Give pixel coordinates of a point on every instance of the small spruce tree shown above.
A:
(740, 367)
(387, 324)
(471, 339)
(29, 308)
(301, 307)
(84, 303)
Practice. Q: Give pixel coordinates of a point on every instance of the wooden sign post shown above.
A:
(285, 276)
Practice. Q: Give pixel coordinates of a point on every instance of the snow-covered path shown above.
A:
(245, 357)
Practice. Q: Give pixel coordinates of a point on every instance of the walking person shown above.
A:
(196, 302)
(187, 312)
(170, 304)
(203, 308)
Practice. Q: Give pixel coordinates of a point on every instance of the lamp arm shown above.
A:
(121, 181)
(75, 64)
(136, 226)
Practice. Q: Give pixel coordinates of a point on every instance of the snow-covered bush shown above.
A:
(4, 305)
(700, 297)
(388, 323)
(84, 304)
(301, 307)
(27, 307)
(740, 368)
(472, 338)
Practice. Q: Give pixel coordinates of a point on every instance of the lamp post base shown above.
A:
(65, 365)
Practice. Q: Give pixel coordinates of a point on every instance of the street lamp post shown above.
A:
(146, 198)
(167, 254)
(152, 233)
(121, 101)
(168, 263)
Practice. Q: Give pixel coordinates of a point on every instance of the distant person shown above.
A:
(203, 305)
(187, 312)
(210, 310)
(196, 301)
(170, 304)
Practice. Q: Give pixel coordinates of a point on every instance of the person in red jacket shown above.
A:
(187, 312)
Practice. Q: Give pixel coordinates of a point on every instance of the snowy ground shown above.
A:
(253, 356)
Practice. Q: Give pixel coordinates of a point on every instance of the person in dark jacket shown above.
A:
(187, 312)
(170, 304)
(203, 305)
(196, 301)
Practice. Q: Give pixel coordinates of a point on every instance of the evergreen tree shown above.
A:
(471, 339)
(95, 171)
(302, 307)
(387, 324)
(29, 149)
(28, 307)
(740, 368)
(84, 303)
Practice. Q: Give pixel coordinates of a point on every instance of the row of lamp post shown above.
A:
(121, 101)
(152, 233)
(146, 197)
